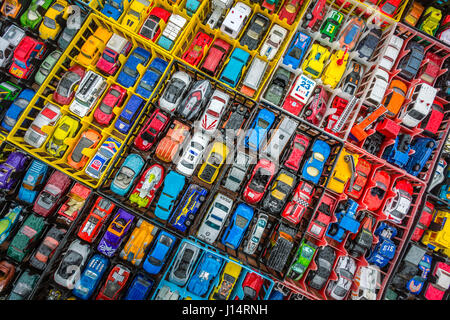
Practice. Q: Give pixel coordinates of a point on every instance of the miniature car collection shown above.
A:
(224, 150)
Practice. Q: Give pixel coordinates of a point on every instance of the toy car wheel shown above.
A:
(416, 167)
(309, 16)
(191, 217)
(201, 198)
(187, 223)
(172, 125)
(308, 112)
(138, 224)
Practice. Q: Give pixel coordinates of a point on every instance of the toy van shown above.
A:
(235, 20)
(280, 137)
(233, 69)
(255, 74)
(171, 31)
(109, 61)
(422, 97)
(90, 90)
(129, 114)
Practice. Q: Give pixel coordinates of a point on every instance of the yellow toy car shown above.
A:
(430, 24)
(343, 171)
(67, 127)
(439, 238)
(315, 62)
(216, 158)
(137, 11)
(50, 28)
(140, 239)
(228, 279)
(335, 69)
(93, 47)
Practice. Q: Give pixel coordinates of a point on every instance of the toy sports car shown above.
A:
(303, 257)
(14, 111)
(315, 62)
(47, 248)
(25, 239)
(88, 140)
(282, 187)
(255, 32)
(159, 252)
(197, 49)
(115, 233)
(148, 135)
(195, 99)
(397, 208)
(184, 214)
(156, 20)
(91, 277)
(239, 223)
(376, 193)
(101, 159)
(174, 91)
(67, 127)
(65, 90)
(169, 145)
(48, 199)
(49, 115)
(173, 184)
(150, 181)
(129, 73)
(345, 270)
(115, 283)
(297, 49)
(9, 221)
(113, 99)
(128, 172)
(73, 260)
(351, 32)
(94, 221)
(207, 269)
(25, 284)
(141, 237)
(324, 261)
(256, 186)
(10, 170)
(384, 250)
(312, 169)
(331, 25)
(296, 208)
(151, 77)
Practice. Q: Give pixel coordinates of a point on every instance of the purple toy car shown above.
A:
(115, 233)
(11, 168)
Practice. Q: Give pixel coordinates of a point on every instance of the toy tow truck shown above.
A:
(363, 129)
(70, 209)
(346, 221)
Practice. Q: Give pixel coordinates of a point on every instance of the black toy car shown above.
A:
(279, 247)
(410, 64)
(235, 119)
(255, 31)
(196, 98)
(367, 45)
(358, 245)
(373, 143)
(324, 260)
(351, 81)
(47, 247)
(282, 187)
(443, 82)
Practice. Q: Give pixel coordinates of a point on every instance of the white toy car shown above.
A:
(391, 53)
(256, 234)
(183, 264)
(90, 90)
(193, 153)
(422, 98)
(280, 138)
(273, 42)
(215, 218)
(8, 42)
(345, 270)
(48, 116)
(174, 91)
(174, 25)
(302, 89)
(166, 294)
(398, 206)
(369, 282)
(69, 269)
(235, 20)
(378, 87)
(211, 116)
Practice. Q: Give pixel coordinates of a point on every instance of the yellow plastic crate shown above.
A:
(346, 5)
(45, 92)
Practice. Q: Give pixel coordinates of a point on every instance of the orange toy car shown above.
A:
(89, 139)
(168, 146)
(414, 14)
(394, 100)
(358, 132)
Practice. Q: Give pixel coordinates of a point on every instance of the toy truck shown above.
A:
(346, 221)
(398, 153)
(174, 26)
(26, 52)
(218, 8)
(437, 237)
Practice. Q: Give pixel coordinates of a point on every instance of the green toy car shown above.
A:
(304, 256)
(24, 239)
(24, 286)
(9, 91)
(330, 27)
(33, 15)
(278, 86)
(47, 66)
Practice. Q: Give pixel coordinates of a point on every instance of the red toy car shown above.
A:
(432, 122)
(430, 71)
(315, 109)
(56, 187)
(113, 98)
(151, 28)
(389, 7)
(294, 210)
(375, 195)
(216, 55)
(436, 291)
(75, 202)
(109, 61)
(94, 221)
(298, 149)
(251, 286)
(338, 105)
(424, 222)
(314, 15)
(199, 45)
(262, 175)
(150, 181)
(114, 284)
(290, 10)
(292, 105)
(322, 218)
(150, 131)
(65, 91)
(26, 52)
(362, 172)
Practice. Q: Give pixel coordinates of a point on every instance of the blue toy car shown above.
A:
(276, 295)
(113, 9)
(384, 250)
(416, 283)
(129, 73)
(346, 221)
(159, 252)
(91, 277)
(398, 153)
(206, 271)
(239, 223)
(127, 173)
(258, 130)
(32, 180)
(297, 49)
(423, 148)
(129, 114)
(312, 169)
(183, 216)
(173, 184)
(16, 108)
(233, 69)
(9, 221)
(151, 77)
(101, 159)
(191, 7)
(139, 288)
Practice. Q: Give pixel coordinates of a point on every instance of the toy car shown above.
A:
(7, 274)
(346, 221)
(174, 91)
(11, 169)
(302, 259)
(239, 223)
(251, 286)
(129, 73)
(368, 43)
(114, 98)
(211, 167)
(145, 190)
(228, 279)
(91, 276)
(431, 70)
(199, 93)
(165, 293)
(335, 69)
(377, 191)
(254, 238)
(91, 49)
(159, 252)
(215, 218)
(343, 171)
(129, 114)
(50, 27)
(296, 50)
(345, 270)
(237, 172)
(290, 10)
(351, 33)
(193, 153)
(296, 208)
(397, 208)
(213, 112)
(315, 109)
(65, 90)
(66, 128)
(155, 22)
(255, 31)
(47, 248)
(378, 89)
(262, 175)
(184, 263)
(279, 247)
(433, 120)
(115, 283)
(194, 54)
(11, 8)
(273, 42)
(25, 284)
(73, 260)
(215, 56)
(148, 135)
(331, 25)
(322, 218)
(151, 77)
(235, 120)
(384, 250)
(173, 184)
(312, 169)
(325, 258)
(47, 66)
(91, 226)
(168, 146)
(184, 214)
(49, 115)
(88, 140)
(315, 61)
(235, 20)
(362, 170)
(393, 101)
(113, 9)
(173, 28)
(127, 173)
(430, 20)
(393, 48)
(32, 180)
(423, 149)
(413, 14)
(258, 130)
(137, 11)
(26, 53)
(409, 65)
(76, 199)
(281, 187)
(299, 94)
(426, 216)
(140, 239)
(358, 243)
(74, 21)
(351, 81)
(100, 161)
(114, 234)
(207, 269)
(9, 222)
(48, 199)
(232, 71)
(278, 85)
(389, 7)
(139, 289)
(109, 61)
